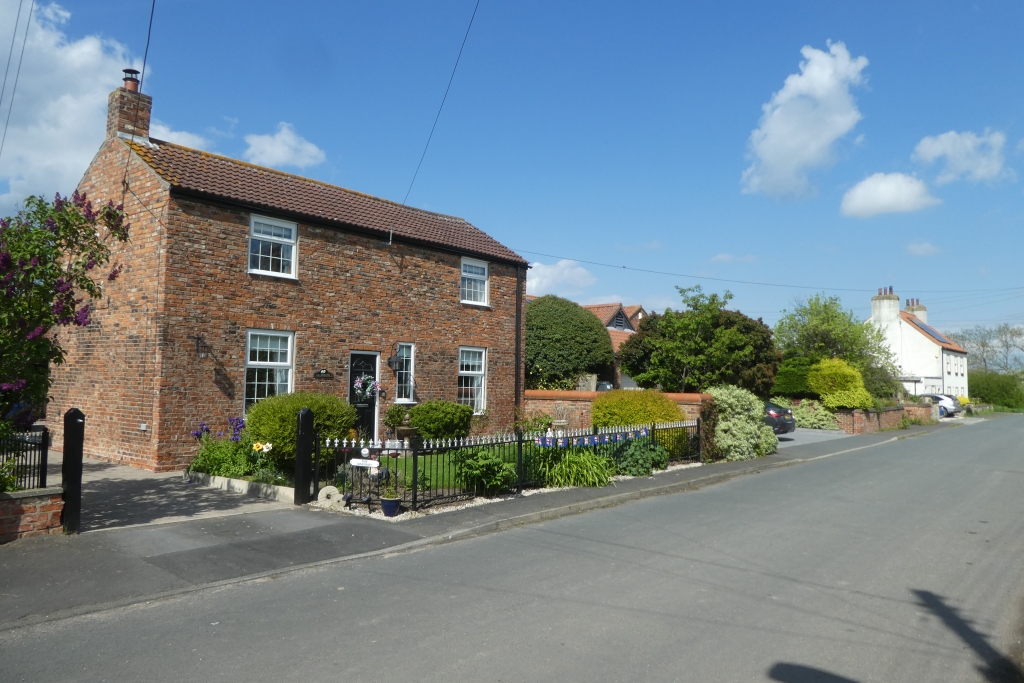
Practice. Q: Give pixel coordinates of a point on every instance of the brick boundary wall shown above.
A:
(923, 411)
(576, 405)
(34, 512)
(869, 421)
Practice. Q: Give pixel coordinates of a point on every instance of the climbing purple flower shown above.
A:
(36, 333)
(82, 316)
(16, 385)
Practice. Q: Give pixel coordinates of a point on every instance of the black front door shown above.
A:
(361, 366)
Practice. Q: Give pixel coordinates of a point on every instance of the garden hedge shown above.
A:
(622, 408)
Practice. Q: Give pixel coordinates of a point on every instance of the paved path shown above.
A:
(117, 496)
(899, 562)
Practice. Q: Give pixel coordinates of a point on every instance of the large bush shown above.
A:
(791, 379)
(275, 420)
(741, 433)
(563, 342)
(625, 408)
(639, 457)
(839, 384)
(996, 388)
(441, 419)
(808, 414)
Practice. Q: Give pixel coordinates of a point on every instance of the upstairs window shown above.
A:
(404, 374)
(268, 365)
(473, 289)
(272, 247)
(472, 379)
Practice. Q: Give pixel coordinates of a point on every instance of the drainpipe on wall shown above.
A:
(519, 334)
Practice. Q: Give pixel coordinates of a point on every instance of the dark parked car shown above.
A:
(779, 419)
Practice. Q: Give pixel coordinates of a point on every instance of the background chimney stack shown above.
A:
(885, 308)
(128, 110)
(916, 309)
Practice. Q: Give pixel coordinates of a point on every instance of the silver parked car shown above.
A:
(948, 405)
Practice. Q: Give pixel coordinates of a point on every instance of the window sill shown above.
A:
(474, 304)
(276, 276)
(405, 402)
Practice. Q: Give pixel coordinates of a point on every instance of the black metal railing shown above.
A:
(28, 451)
(427, 472)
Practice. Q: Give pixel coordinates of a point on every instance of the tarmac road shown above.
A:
(900, 562)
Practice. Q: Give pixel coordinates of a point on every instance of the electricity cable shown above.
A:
(443, 99)
(10, 53)
(17, 74)
(761, 284)
(138, 99)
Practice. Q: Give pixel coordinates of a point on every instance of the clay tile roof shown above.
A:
(930, 332)
(214, 176)
(633, 310)
(618, 337)
(605, 312)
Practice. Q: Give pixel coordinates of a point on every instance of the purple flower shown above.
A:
(38, 332)
(16, 385)
(82, 316)
(203, 430)
(114, 272)
(58, 307)
(237, 425)
(91, 264)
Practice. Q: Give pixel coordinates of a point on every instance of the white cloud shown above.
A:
(563, 278)
(283, 148)
(971, 156)
(922, 249)
(60, 107)
(729, 258)
(161, 131)
(801, 122)
(886, 193)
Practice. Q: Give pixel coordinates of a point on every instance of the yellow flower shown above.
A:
(257, 446)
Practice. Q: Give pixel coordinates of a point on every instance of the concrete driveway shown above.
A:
(805, 436)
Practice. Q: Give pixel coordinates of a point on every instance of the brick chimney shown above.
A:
(885, 306)
(917, 309)
(128, 110)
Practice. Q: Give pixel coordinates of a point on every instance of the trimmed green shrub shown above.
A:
(741, 433)
(848, 398)
(484, 471)
(833, 374)
(394, 415)
(563, 342)
(639, 458)
(621, 408)
(275, 420)
(996, 388)
(441, 419)
(791, 379)
(808, 414)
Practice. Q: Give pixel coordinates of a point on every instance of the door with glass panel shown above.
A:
(361, 376)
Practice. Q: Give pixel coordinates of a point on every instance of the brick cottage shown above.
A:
(241, 282)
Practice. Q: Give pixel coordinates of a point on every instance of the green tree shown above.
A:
(701, 346)
(52, 257)
(820, 328)
(563, 342)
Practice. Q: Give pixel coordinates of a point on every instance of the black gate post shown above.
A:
(43, 456)
(304, 456)
(415, 472)
(700, 443)
(71, 470)
(519, 460)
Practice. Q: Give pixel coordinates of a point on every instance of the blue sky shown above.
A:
(660, 137)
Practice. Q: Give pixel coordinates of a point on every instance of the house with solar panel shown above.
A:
(928, 362)
(241, 282)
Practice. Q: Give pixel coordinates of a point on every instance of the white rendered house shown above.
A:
(928, 362)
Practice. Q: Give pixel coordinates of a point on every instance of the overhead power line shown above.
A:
(10, 53)
(17, 74)
(443, 99)
(138, 100)
(760, 284)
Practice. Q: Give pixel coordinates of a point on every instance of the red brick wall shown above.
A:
(187, 277)
(576, 405)
(869, 421)
(25, 513)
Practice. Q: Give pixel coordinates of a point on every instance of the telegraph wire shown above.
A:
(761, 284)
(443, 99)
(17, 74)
(10, 53)
(138, 99)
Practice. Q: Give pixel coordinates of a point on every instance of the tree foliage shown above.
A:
(997, 388)
(53, 256)
(992, 348)
(820, 328)
(563, 342)
(701, 346)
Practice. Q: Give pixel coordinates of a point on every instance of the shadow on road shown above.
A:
(798, 673)
(998, 668)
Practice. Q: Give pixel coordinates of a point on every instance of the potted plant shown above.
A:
(390, 499)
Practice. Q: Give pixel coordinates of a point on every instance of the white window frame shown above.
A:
(412, 375)
(487, 281)
(293, 243)
(482, 375)
(258, 365)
